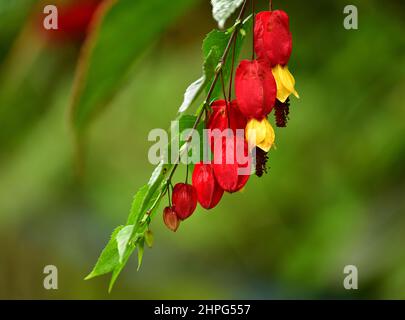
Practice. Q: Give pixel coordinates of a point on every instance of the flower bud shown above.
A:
(149, 238)
(184, 200)
(255, 89)
(170, 219)
(273, 39)
(209, 193)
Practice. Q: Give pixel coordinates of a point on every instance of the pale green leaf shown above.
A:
(192, 93)
(109, 258)
(136, 204)
(213, 48)
(123, 238)
(141, 249)
(223, 9)
(117, 270)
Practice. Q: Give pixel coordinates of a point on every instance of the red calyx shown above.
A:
(219, 118)
(184, 200)
(273, 39)
(170, 219)
(255, 89)
(229, 159)
(209, 193)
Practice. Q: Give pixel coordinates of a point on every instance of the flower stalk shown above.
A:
(218, 72)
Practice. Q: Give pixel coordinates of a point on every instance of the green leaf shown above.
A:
(123, 238)
(222, 10)
(136, 204)
(149, 196)
(192, 93)
(197, 87)
(109, 258)
(141, 249)
(108, 53)
(213, 48)
(117, 270)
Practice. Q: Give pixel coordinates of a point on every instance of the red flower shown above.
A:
(273, 39)
(170, 219)
(230, 159)
(184, 200)
(219, 118)
(209, 193)
(74, 20)
(255, 89)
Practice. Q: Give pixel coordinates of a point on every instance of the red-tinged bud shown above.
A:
(170, 218)
(74, 19)
(273, 39)
(209, 193)
(184, 200)
(218, 119)
(232, 163)
(255, 89)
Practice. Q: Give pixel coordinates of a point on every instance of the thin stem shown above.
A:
(168, 194)
(210, 91)
(228, 114)
(232, 68)
(223, 87)
(149, 212)
(271, 5)
(253, 34)
(187, 173)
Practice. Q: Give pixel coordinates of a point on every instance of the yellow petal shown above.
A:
(260, 134)
(255, 132)
(268, 141)
(285, 82)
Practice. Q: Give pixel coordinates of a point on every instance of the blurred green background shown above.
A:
(334, 196)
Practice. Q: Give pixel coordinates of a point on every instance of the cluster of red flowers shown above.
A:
(261, 85)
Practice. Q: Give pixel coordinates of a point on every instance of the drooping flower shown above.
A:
(260, 134)
(285, 83)
(232, 163)
(219, 120)
(209, 193)
(184, 200)
(273, 39)
(170, 219)
(255, 89)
